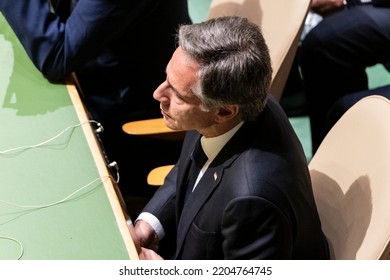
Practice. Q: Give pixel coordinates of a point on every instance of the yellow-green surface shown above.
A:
(32, 111)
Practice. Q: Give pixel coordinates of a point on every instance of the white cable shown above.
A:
(57, 202)
(4, 152)
(18, 242)
(44, 206)
(114, 164)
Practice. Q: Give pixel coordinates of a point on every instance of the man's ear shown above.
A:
(226, 113)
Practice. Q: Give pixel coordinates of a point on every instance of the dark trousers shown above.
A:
(334, 56)
(343, 104)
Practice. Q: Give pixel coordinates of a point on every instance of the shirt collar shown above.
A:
(212, 146)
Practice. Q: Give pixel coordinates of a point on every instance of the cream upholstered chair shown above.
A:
(153, 128)
(157, 175)
(351, 182)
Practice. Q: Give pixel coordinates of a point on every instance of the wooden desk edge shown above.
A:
(103, 172)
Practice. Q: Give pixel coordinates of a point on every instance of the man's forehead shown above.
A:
(181, 69)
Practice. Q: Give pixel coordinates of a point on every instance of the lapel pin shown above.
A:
(215, 176)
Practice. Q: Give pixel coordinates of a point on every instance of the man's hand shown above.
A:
(324, 7)
(146, 236)
(147, 254)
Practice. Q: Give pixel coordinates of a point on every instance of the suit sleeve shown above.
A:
(58, 48)
(163, 203)
(254, 228)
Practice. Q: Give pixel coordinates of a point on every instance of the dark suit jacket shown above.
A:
(119, 48)
(254, 202)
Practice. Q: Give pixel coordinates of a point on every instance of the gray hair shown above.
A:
(235, 66)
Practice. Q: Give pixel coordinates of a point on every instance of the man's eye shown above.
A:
(179, 100)
(178, 95)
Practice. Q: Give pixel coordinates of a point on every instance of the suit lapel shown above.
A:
(209, 182)
(183, 177)
(202, 192)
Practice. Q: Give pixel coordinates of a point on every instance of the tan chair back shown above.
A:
(351, 182)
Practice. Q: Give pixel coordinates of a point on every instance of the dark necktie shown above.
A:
(198, 158)
(351, 3)
(63, 8)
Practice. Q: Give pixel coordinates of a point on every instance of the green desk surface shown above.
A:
(87, 225)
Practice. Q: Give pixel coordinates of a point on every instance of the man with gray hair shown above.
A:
(251, 196)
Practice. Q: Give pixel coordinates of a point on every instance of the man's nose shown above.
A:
(160, 94)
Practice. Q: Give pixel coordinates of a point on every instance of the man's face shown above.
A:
(180, 108)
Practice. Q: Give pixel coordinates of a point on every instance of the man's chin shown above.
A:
(169, 123)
